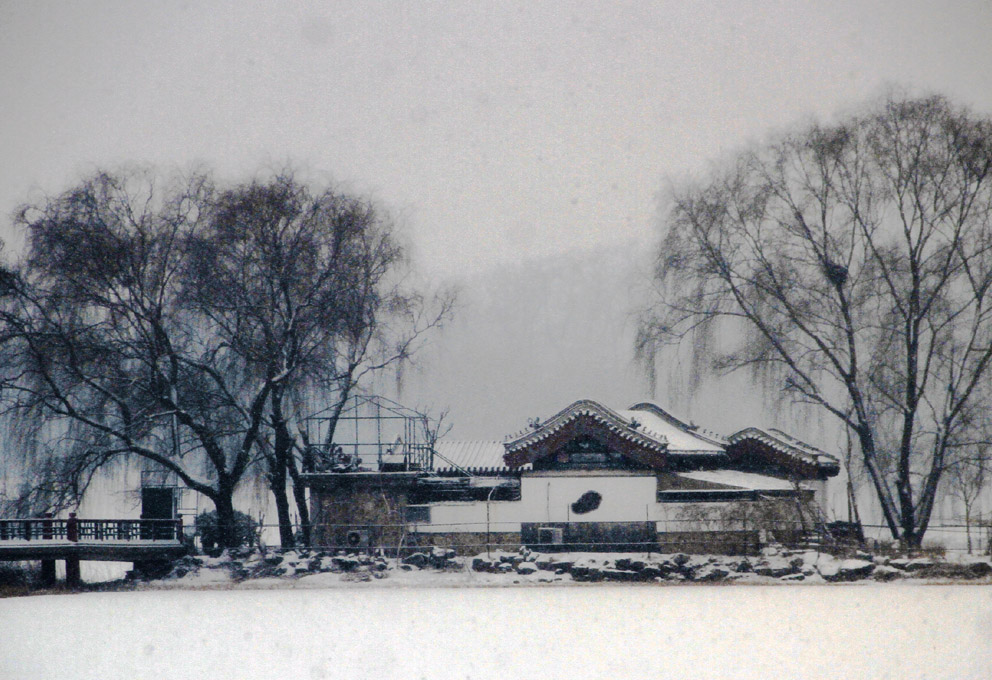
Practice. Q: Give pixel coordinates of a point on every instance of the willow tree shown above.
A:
(307, 286)
(104, 356)
(185, 323)
(850, 264)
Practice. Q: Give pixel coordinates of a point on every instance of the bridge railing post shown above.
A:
(46, 526)
(72, 528)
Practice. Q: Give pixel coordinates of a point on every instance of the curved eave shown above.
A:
(522, 447)
(697, 455)
(799, 452)
(612, 420)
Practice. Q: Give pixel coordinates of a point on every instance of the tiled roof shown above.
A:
(789, 446)
(682, 437)
(618, 425)
(469, 456)
(645, 425)
(741, 480)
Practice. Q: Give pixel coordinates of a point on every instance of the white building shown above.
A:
(588, 478)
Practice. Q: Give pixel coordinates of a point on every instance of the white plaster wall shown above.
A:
(624, 498)
(821, 492)
(470, 516)
(549, 499)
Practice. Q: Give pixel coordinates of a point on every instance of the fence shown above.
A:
(76, 530)
(951, 538)
(697, 536)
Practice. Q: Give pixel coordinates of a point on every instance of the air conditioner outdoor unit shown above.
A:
(358, 538)
(550, 535)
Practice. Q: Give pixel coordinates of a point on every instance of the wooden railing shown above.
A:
(75, 530)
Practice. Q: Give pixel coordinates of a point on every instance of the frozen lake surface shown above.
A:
(849, 631)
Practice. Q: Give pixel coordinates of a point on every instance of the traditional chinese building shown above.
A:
(589, 478)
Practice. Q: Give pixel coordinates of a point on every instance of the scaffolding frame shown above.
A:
(374, 429)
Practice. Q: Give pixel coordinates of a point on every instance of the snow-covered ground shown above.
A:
(585, 631)
(440, 567)
(310, 614)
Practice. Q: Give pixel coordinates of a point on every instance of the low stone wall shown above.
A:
(593, 536)
(692, 543)
(465, 543)
(775, 564)
(710, 542)
(772, 563)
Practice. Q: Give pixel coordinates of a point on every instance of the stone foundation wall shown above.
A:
(710, 542)
(698, 543)
(594, 536)
(380, 512)
(466, 543)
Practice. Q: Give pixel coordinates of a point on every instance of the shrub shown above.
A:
(17, 578)
(208, 529)
(18, 573)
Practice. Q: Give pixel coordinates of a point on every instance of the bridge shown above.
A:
(141, 541)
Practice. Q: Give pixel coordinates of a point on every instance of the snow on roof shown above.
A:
(743, 480)
(468, 455)
(680, 435)
(821, 456)
(790, 446)
(614, 424)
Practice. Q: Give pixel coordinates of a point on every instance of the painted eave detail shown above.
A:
(790, 446)
(608, 418)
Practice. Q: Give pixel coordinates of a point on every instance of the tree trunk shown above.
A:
(889, 511)
(967, 524)
(278, 464)
(226, 527)
(300, 496)
(911, 538)
(277, 481)
(345, 388)
(277, 484)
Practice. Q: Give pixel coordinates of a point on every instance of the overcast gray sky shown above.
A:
(509, 137)
(499, 130)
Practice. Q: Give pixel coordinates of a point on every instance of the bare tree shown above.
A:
(968, 479)
(850, 265)
(307, 287)
(104, 353)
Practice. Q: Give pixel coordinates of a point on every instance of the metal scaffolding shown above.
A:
(371, 433)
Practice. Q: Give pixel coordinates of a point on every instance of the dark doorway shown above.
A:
(157, 503)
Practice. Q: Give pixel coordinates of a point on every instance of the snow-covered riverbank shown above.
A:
(775, 565)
